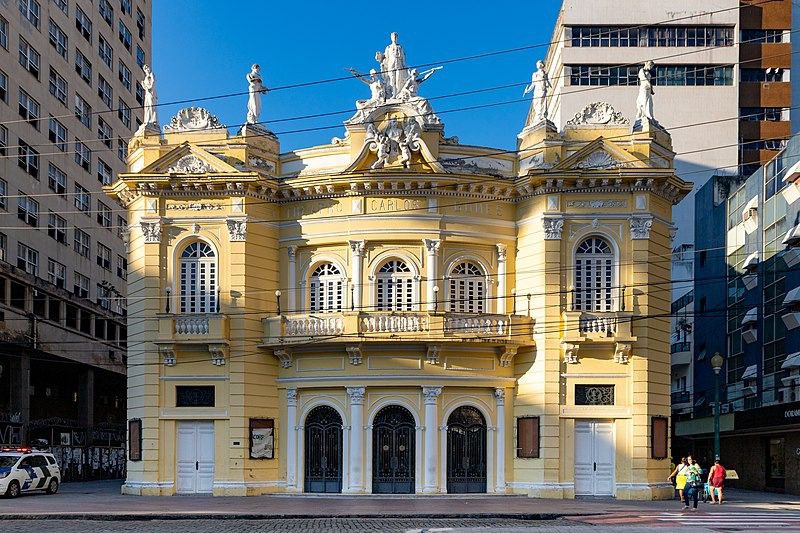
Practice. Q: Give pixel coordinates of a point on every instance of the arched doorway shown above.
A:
(393, 440)
(323, 472)
(466, 451)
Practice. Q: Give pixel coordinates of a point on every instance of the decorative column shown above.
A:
(501, 279)
(432, 247)
(356, 395)
(291, 280)
(357, 278)
(291, 439)
(500, 449)
(431, 395)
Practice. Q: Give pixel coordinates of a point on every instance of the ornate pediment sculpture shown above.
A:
(598, 113)
(190, 164)
(394, 143)
(193, 119)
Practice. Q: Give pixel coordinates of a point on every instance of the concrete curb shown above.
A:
(148, 516)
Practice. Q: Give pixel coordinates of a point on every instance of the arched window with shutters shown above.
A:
(466, 288)
(198, 279)
(594, 276)
(396, 287)
(327, 289)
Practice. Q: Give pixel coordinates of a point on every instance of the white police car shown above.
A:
(27, 470)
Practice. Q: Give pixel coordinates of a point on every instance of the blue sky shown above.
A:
(205, 48)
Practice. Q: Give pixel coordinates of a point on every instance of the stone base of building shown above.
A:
(645, 491)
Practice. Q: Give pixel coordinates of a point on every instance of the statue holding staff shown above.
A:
(539, 86)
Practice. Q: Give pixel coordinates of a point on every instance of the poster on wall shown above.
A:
(262, 438)
(135, 439)
(66, 439)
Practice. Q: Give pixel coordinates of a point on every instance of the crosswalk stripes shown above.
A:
(750, 520)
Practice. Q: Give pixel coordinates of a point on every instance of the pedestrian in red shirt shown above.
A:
(716, 481)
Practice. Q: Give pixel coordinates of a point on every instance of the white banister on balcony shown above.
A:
(390, 323)
(487, 325)
(191, 325)
(308, 326)
(598, 324)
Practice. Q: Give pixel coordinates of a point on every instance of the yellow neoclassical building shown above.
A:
(396, 312)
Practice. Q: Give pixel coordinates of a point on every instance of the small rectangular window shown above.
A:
(29, 109)
(83, 156)
(58, 134)
(56, 274)
(56, 180)
(83, 199)
(29, 58)
(83, 66)
(194, 396)
(82, 247)
(104, 91)
(104, 132)
(31, 11)
(528, 437)
(125, 75)
(28, 159)
(125, 36)
(124, 113)
(3, 86)
(4, 33)
(104, 173)
(58, 39)
(28, 210)
(57, 228)
(83, 111)
(58, 86)
(83, 23)
(27, 259)
(106, 52)
(80, 288)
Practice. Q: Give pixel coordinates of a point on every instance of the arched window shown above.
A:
(594, 275)
(327, 289)
(395, 287)
(467, 288)
(198, 279)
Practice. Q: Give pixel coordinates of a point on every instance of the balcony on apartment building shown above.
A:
(681, 353)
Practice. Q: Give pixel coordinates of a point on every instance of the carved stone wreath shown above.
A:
(193, 119)
(598, 113)
(190, 164)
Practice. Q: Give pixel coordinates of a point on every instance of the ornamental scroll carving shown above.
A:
(431, 394)
(640, 228)
(192, 119)
(553, 228)
(237, 230)
(151, 231)
(598, 113)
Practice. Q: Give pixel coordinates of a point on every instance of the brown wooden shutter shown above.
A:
(659, 436)
(528, 437)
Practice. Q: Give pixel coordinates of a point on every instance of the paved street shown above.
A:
(99, 507)
(322, 525)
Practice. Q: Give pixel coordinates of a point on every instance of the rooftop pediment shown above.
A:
(600, 154)
(189, 159)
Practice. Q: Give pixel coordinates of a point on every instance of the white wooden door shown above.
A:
(594, 458)
(195, 469)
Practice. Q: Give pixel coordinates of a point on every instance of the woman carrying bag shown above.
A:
(694, 484)
(679, 474)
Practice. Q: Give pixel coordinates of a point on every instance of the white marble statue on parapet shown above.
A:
(256, 88)
(409, 93)
(539, 86)
(150, 99)
(377, 91)
(393, 66)
(644, 102)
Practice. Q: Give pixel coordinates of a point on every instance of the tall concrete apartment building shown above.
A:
(70, 97)
(716, 60)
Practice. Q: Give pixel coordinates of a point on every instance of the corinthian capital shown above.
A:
(432, 246)
(357, 247)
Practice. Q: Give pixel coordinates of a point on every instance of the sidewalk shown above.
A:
(102, 501)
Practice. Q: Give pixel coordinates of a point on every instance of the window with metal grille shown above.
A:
(327, 289)
(594, 394)
(594, 276)
(396, 291)
(198, 279)
(467, 288)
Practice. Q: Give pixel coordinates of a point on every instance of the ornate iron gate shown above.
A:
(323, 450)
(393, 439)
(466, 451)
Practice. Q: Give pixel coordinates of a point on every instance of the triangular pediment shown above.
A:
(189, 159)
(600, 154)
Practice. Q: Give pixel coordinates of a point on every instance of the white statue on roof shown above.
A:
(150, 100)
(644, 102)
(393, 65)
(539, 86)
(256, 88)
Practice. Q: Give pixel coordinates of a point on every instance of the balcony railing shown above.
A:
(413, 325)
(678, 347)
(193, 328)
(581, 325)
(681, 396)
